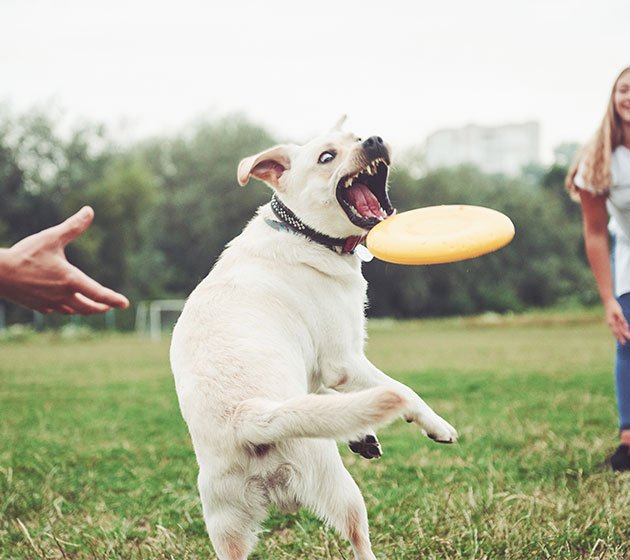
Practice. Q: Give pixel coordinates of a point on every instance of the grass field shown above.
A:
(96, 463)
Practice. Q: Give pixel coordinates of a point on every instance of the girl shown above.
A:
(601, 179)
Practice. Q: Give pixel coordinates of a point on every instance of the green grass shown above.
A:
(96, 463)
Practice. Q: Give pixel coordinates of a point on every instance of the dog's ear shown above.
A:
(268, 166)
(339, 124)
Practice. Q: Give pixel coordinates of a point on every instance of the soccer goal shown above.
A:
(154, 317)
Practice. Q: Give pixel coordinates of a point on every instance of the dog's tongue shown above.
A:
(362, 198)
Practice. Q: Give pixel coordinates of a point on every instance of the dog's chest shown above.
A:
(338, 300)
(337, 321)
(343, 304)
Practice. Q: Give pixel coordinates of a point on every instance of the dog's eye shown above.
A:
(326, 157)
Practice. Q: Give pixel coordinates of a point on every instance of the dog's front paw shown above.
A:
(438, 429)
(368, 447)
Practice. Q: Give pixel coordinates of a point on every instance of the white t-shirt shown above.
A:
(618, 205)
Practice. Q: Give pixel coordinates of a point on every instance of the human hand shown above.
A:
(616, 321)
(35, 273)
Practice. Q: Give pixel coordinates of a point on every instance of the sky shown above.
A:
(401, 69)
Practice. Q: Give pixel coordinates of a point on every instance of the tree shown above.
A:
(542, 266)
(124, 202)
(201, 205)
(166, 207)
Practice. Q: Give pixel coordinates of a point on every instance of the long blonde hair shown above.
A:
(596, 155)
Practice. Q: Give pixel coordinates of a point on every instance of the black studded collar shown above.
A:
(290, 222)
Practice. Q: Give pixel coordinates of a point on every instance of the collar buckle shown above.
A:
(352, 243)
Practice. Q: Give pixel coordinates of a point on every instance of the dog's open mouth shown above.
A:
(363, 195)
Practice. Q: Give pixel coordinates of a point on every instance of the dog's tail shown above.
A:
(336, 416)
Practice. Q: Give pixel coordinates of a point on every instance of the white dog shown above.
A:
(268, 354)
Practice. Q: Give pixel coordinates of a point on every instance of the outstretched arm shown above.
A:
(36, 274)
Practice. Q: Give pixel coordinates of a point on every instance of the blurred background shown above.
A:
(143, 110)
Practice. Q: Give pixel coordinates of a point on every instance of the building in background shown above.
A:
(498, 149)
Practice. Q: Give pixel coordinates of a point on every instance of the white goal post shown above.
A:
(150, 316)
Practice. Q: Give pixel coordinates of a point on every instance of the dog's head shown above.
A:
(336, 183)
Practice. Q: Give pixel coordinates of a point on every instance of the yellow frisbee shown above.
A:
(440, 234)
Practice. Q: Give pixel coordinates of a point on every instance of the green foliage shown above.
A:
(17, 333)
(201, 206)
(124, 200)
(166, 207)
(542, 266)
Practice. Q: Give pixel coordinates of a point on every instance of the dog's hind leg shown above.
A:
(327, 488)
(231, 523)
(232, 533)
(366, 445)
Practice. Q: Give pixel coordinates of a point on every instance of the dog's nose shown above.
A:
(374, 147)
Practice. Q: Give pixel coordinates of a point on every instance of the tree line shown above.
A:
(166, 206)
